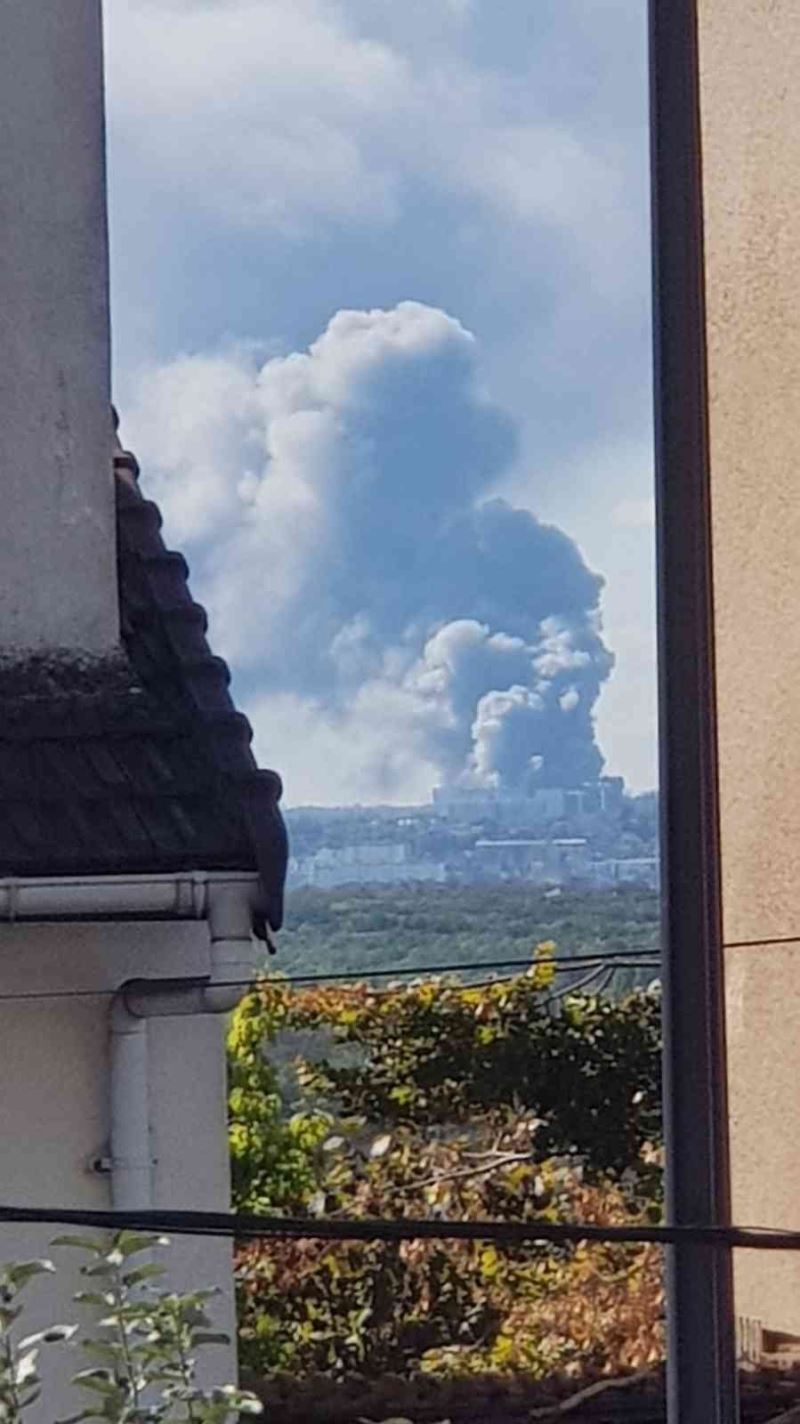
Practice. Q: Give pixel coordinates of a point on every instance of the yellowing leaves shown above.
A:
(461, 1102)
(489, 1262)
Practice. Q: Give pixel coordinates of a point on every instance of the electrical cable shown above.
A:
(563, 964)
(599, 978)
(246, 1227)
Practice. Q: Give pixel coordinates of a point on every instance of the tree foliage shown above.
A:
(367, 928)
(437, 1098)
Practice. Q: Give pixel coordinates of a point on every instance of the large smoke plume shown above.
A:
(377, 602)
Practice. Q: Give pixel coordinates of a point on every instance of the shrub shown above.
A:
(440, 1052)
(374, 1308)
(464, 1102)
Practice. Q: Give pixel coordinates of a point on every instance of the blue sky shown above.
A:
(468, 181)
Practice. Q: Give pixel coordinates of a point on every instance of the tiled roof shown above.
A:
(767, 1396)
(147, 766)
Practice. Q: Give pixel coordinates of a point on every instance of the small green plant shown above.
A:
(143, 1368)
(142, 1360)
(20, 1385)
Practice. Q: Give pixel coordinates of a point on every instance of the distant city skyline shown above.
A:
(594, 837)
(373, 264)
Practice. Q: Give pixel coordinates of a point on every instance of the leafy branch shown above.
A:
(144, 1359)
(20, 1385)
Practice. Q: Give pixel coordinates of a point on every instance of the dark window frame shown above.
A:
(701, 1331)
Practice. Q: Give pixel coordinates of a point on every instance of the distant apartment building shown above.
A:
(633, 870)
(541, 806)
(541, 862)
(560, 861)
(511, 860)
(372, 863)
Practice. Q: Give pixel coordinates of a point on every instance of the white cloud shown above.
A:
(372, 751)
(279, 114)
(333, 504)
(539, 173)
(254, 466)
(257, 110)
(634, 514)
(198, 418)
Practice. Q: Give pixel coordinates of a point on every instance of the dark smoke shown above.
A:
(368, 550)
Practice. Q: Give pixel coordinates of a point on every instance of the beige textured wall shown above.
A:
(764, 1058)
(55, 417)
(750, 62)
(750, 101)
(54, 1061)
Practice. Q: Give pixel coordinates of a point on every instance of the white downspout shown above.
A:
(131, 1159)
(233, 964)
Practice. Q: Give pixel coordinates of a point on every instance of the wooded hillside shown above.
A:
(362, 928)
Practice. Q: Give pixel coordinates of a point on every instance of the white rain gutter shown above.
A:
(108, 896)
(228, 906)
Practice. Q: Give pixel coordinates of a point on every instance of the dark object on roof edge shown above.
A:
(141, 764)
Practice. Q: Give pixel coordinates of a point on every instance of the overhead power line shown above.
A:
(563, 964)
(261, 1227)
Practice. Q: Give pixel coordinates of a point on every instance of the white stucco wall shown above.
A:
(750, 102)
(55, 417)
(188, 1103)
(54, 1107)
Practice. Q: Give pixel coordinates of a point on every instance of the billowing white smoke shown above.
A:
(388, 621)
(519, 711)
